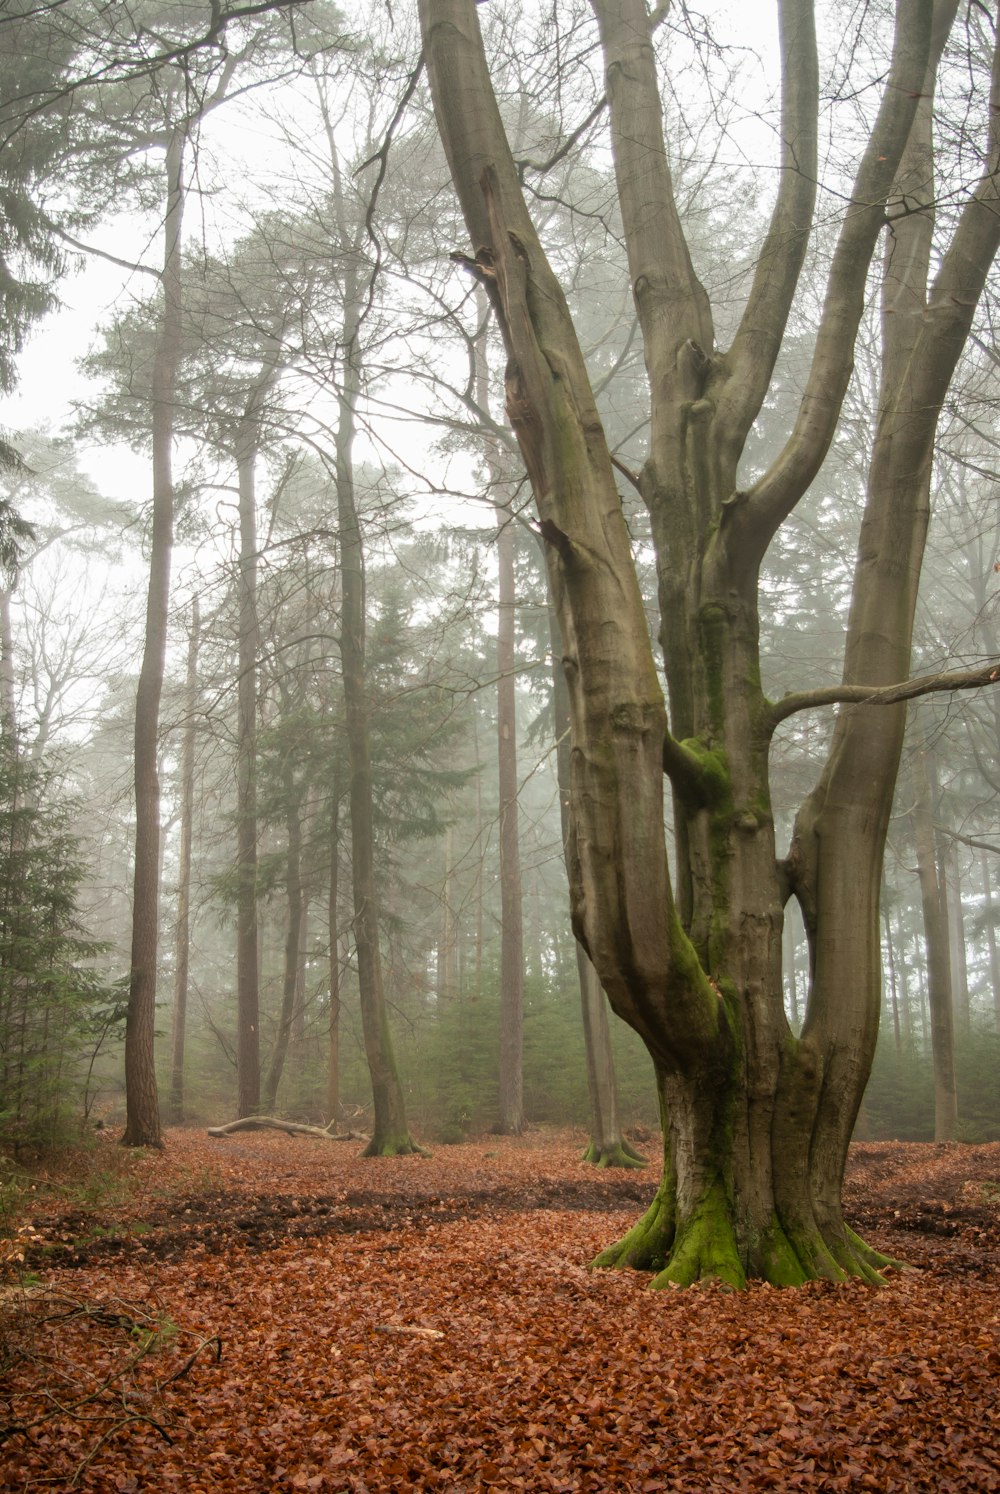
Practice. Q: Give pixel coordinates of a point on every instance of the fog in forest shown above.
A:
(300, 758)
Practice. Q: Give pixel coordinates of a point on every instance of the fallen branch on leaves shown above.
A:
(51, 1394)
(291, 1128)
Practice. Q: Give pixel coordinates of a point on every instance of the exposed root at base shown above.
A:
(620, 1154)
(394, 1146)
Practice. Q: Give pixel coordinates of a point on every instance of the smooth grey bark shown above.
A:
(756, 1121)
(142, 1123)
(182, 933)
(607, 1147)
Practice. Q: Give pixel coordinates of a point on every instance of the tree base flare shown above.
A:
(617, 1154)
(394, 1146)
(706, 1248)
(648, 1244)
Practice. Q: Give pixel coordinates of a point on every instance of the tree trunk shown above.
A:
(8, 710)
(607, 1146)
(293, 894)
(391, 1136)
(182, 937)
(247, 948)
(298, 1032)
(890, 964)
(142, 1123)
(447, 959)
(934, 900)
(989, 913)
(956, 934)
(333, 930)
(510, 1121)
(757, 1121)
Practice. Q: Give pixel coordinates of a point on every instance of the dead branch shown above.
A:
(291, 1128)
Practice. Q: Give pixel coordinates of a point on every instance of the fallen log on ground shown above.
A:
(291, 1128)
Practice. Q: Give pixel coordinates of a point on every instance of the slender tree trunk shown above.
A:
(142, 1124)
(791, 973)
(333, 930)
(934, 898)
(247, 948)
(890, 962)
(989, 911)
(298, 1033)
(510, 1121)
(956, 935)
(390, 1136)
(182, 939)
(293, 895)
(8, 711)
(447, 960)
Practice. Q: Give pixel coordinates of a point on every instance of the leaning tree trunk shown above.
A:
(757, 1122)
(142, 1123)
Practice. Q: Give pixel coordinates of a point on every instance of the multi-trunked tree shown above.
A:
(757, 1120)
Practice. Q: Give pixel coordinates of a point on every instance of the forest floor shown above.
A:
(271, 1313)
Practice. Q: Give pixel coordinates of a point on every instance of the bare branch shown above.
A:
(926, 684)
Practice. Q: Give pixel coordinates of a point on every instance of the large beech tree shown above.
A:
(756, 1120)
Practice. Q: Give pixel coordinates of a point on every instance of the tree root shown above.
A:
(648, 1243)
(398, 1146)
(618, 1154)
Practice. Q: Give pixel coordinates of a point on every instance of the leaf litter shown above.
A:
(272, 1313)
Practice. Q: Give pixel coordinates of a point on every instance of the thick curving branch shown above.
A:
(926, 684)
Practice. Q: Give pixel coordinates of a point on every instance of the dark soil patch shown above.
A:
(216, 1221)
